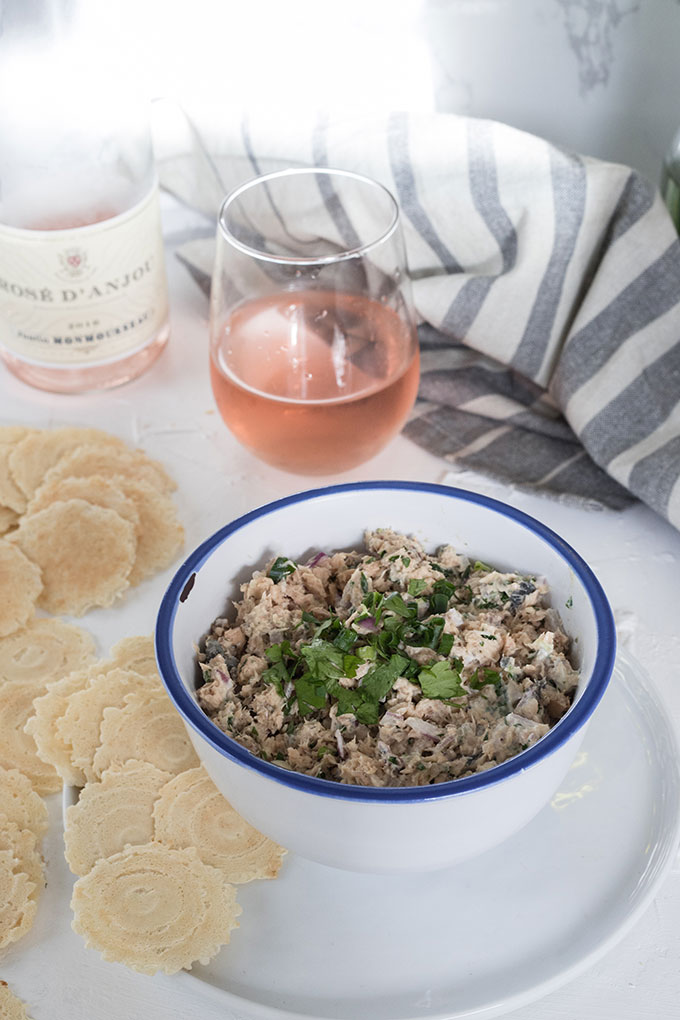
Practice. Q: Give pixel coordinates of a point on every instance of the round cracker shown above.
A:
(146, 728)
(17, 904)
(20, 585)
(108, 463)
(11, 1008)
(10, 494)
(19, 802)
(45, 650)
(17, 748)
(43, 726)
(153, 908)
(23, 844)
(13, 433)
(159, 535)
(93, 489)
(191, 811)
(33, 456)
(79, 727)
(137, 654)
(112, 814)
(85, 553)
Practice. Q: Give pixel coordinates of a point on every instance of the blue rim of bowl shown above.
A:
(229, 748)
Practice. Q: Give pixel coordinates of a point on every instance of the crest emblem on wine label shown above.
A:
(74, 262)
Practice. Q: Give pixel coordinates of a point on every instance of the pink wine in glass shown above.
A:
(314, 382)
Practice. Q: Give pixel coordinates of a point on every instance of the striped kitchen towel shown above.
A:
(547, 285)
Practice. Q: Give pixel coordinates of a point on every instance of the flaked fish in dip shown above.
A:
(388, 667)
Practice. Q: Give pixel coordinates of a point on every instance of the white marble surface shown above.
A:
(170, 412)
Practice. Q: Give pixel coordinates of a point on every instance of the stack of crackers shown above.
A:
(83, 517)
(30, 658)
(156, 847)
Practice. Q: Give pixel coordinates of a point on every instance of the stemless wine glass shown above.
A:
(313, 347)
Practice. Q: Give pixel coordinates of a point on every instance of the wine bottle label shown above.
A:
(87, 294)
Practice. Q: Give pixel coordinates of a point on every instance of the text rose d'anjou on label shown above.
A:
(66, 295)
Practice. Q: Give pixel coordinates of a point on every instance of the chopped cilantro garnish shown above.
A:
(417, 586)
(426, 634)
(440, 680)
(310, 694)
(486, 676)
(280, 567)
(569, 603)
(406, 560)
(277, 674)
(364, 583)
(324, 660)
(438, 603)
(445, 644)
(489, 637)
(396, 604)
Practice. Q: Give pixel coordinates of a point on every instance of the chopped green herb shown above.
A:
(280, 567)
(406, 560)
(478, 565)
(489, 637)
(438, 603)
(396, 604)
(487, 676)
(569, 603)
(310, 694)
(417, 586)
(441, 681)
(324, 661)
(364, 584)
(445, 644)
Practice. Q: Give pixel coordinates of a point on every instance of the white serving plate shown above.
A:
(489, 935)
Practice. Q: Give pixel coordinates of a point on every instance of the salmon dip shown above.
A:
(388, 666)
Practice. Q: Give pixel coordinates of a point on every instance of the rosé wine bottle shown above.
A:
(83, 294)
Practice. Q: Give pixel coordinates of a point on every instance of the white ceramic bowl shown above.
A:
(387, 829)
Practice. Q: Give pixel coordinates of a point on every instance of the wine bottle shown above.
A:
(83, 293)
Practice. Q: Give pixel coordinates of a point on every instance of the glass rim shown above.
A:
(306, 260)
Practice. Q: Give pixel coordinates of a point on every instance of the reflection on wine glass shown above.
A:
(313, 347)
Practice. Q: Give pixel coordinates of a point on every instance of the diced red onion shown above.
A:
(367, 625)
(315, 559)
(225, 678)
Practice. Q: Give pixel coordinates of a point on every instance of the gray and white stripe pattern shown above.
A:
(547, 286)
